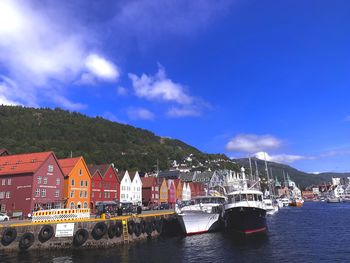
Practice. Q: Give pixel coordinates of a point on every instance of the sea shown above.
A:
(316, 232)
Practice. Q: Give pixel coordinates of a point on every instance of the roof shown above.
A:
(120, 175)
(102, 168)
(68, 164)
(187, 177)
(169, 174)
(203, 177)
(22, 163)
(148, 182)
(4, 152)
(132, 175)
(177, 182)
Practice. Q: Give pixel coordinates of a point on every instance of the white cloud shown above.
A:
(101, 67)
(159, 87)
(280, 158)
(42, 55)
(121, 91)
(112, 117)
(177, 112)
(66, 103)
(6, 85)
(252, 143)
(140, 114)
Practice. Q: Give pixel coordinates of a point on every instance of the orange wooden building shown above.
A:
(77, 181)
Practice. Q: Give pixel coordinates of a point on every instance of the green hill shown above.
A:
(97, 139)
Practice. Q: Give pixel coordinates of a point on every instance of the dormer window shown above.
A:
(80, 172)
(50, 168)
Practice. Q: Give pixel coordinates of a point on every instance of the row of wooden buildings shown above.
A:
(34, 181)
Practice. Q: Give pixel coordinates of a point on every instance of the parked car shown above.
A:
(4, 217)
(164, 206)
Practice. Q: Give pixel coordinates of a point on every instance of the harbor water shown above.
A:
(317, 232)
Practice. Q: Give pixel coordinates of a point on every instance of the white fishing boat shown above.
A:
(202, 215)
(285, 201)
(333, 199)
(270, 206)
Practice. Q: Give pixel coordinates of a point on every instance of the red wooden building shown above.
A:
(105, 185)
(30, 182)
(150, 191)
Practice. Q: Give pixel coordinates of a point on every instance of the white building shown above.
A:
(125, 187)
(186, 192)
(136, 188)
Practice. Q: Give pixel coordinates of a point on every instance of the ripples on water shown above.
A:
(317, 232)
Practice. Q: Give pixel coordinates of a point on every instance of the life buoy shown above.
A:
(143, 225)
(112, 231)
(80, 237)
(119, 228)
(159, 226)
(8, 236)
(46, 232)
(137, 229)
(148, 228)
(26, 241)
(99, 230)
(131, 227)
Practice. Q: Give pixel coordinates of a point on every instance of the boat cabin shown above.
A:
(209, 200)
(245, 196)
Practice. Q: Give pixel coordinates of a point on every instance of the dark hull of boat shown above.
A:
(246, 220)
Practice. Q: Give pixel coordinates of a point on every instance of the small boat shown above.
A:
(298, 202)
(285, 201)
(333, 199)
(245, 212)
(202, 215)
(270, 206)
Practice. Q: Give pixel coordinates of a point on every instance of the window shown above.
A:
(93, 184)
(85, 205)
(2, 195)
(152, 196)
(45, 180)
(71, 205)
(36, 206)
(86, 183)
(49, 206)
(43, 192)
(7, 195)
(152, 188)
(85, 194)
(157, 188)
(92, 194)
(9, 181)
(57, 193)
(57, 205)
(100, 195)
(39, 179)
(157, 196)
(80, 172)
(37, 192)
(81, 194)
(3, 182)
(115, 195)
(123, 195)
(72, 182)
(58, 181)
(81, 183)
(50, 168)
(72, 193)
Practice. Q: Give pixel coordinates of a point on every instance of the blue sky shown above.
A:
(233, 77)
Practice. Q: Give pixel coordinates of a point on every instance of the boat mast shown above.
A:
(267, 173)
(250, 169)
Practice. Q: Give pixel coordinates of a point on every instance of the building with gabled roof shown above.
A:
(136, 188)
(4, 152)
(125, 186)
(30, 182)
(77, 180)
(105, 185)
(150, 191)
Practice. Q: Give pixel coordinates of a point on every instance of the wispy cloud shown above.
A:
(281, 158)
(43, 55)
(121, 91)
(184, 111)
(140, 114)
(251, 143)
(149, 21)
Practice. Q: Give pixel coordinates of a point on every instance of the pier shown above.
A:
(82, 233)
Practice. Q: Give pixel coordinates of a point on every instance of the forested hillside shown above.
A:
(97, 139)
